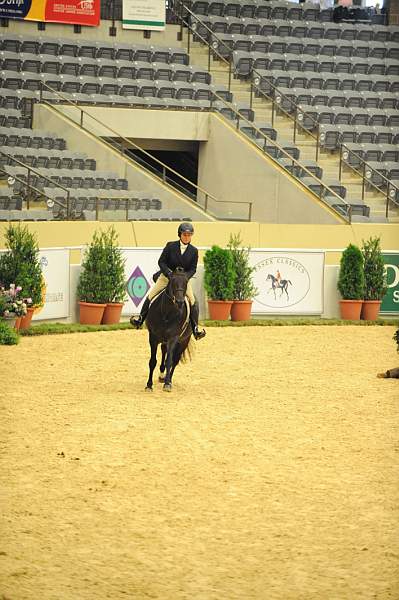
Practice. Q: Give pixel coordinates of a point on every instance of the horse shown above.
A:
(276, 284)
(168, 324)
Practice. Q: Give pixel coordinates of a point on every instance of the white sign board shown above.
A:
(288, 283)
(55, 269)
(144, 14)
(140, 265)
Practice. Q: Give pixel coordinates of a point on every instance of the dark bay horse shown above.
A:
(279, 285)
(168, 324)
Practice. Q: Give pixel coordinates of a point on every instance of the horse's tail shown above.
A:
(188, 352)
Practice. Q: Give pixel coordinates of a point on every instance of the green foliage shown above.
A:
(102, 276)
(219, 276)
(375, 281)
(351, 274)
(8, 336)
(20, 264)
(115, 273)
(243, 289)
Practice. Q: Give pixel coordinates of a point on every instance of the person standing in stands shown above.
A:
(180, 253)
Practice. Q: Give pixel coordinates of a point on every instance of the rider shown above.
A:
(180, 253)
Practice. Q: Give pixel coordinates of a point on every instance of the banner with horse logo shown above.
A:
(288, 282)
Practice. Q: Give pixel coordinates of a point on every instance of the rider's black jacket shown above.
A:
(171, 258)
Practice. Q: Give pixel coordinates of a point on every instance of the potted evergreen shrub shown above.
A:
(375, 281)
(115, 276)
(93, 289)
(244, 289)
(351, 282)
(219, 277)
(20, 266)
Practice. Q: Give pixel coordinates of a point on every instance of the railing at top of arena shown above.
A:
(368, 173)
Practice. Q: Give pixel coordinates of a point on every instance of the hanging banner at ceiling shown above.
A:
(144, 14)
(76, 12)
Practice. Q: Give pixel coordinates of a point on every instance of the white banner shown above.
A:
(288, 283)
(144, 14)
(55, 269)
(141, 264)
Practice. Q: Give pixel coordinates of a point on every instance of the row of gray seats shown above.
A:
(287, 27)
(12, 117)
(306, 11)
(100, 67)
(91, 49)
(245, 62)
(28, 138)
(105, 199)
(49, 159)
(68, 178)
(332, 136)
(358, 82)
(145, 88)
(226, 43)
(378, 101)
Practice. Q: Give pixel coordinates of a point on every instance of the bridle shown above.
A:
(176, 289)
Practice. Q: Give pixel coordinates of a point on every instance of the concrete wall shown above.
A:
(231, 168)
(78, 140)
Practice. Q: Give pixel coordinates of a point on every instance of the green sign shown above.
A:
(390, 303)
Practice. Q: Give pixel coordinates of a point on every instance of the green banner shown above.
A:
(390, 303)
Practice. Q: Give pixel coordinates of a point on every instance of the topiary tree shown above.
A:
(219, 276)
(351, 274)
(115, 267)
(20, 264)
(375, 281)
(243, 289)
(93, 286)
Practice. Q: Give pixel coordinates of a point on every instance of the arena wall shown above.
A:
(330, 239)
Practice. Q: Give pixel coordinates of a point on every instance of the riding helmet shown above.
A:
(185, 228)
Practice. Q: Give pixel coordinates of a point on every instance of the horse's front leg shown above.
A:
(153, 361)
(167, 386)
(162, 366)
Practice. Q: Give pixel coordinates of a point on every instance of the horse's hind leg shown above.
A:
(152, 363)
(162, 366)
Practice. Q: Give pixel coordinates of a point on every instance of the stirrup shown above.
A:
(137, 322)
(199, 334)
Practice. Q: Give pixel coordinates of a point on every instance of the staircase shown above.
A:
(328, 161)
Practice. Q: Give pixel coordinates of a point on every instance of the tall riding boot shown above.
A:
(138, 321)
(194, 314)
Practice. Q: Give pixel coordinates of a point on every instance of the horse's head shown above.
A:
(178, 286)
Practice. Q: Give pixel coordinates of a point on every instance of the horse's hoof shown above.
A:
(382, 375)
(161, 379)
(167, 387)
(149, 389)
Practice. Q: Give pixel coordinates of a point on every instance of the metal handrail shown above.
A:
(29, 186)
(286, 155)
(126, 143)
(220, 42)
(367, 178)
